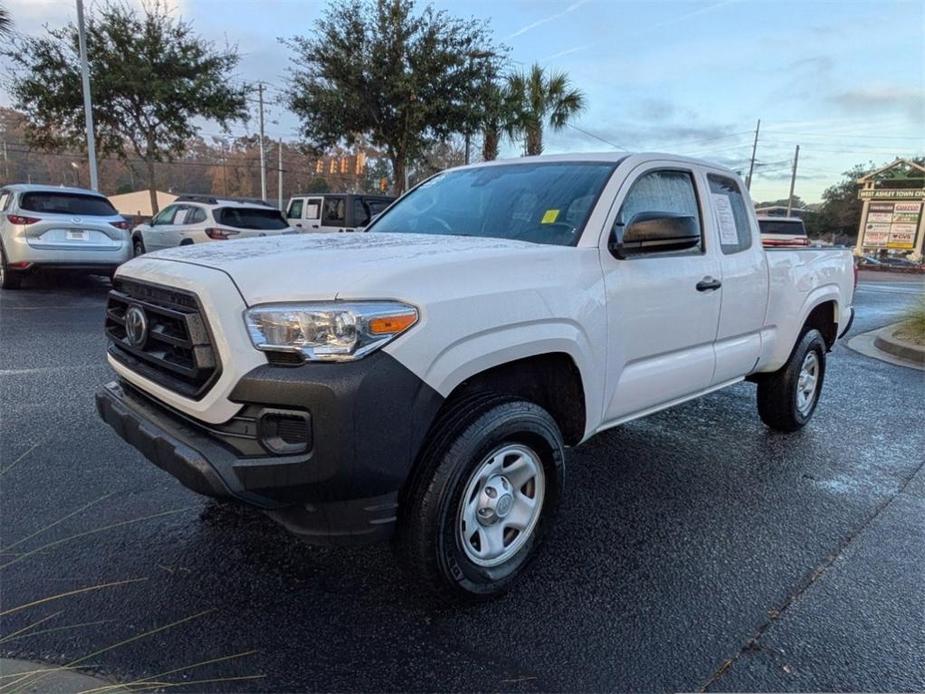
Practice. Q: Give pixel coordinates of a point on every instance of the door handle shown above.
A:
(708, 284)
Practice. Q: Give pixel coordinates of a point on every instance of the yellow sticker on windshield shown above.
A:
(550, 217)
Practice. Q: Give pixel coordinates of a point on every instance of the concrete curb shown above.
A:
(888, 342)
(880, 344)
(49, 679)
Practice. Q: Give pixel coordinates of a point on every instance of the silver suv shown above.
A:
(201, 218)
(47, 227)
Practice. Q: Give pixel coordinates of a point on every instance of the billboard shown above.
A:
(891, 224)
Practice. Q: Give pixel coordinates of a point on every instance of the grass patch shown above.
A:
(912, 328)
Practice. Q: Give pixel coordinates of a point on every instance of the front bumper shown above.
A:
(343, 490)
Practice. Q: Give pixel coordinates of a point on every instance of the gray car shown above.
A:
(47, 227)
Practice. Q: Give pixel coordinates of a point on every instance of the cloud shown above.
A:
(880, 99)
(545, 20)
(568, 51)
(693, 13)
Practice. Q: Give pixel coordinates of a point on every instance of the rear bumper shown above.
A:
(18, 250)
(343, 490)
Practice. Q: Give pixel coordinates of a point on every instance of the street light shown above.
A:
(76, 167)
(88, 109)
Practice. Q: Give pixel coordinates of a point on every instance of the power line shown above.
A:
(597, 137)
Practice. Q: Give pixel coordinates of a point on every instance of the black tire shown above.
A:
(427, 541)
(778, 392)
(138, 247)
(8, 279)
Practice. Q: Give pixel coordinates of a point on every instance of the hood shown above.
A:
(314, 267)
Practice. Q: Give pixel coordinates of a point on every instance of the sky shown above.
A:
(843, 79)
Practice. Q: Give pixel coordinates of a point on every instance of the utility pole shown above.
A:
(279, 170)
(88, 108)
(793, 178)
(751, 166)
(263, 165)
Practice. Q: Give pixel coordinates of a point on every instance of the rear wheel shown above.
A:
(8, 279)
(138, 247)
(483, 497)
(787, 398)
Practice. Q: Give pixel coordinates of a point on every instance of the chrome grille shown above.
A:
(177, 350)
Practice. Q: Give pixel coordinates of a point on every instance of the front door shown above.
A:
(661, 326)
(161, 233)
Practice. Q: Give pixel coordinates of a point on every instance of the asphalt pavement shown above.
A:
(695, 548)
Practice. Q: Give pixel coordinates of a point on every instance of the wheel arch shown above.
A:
(552, 380)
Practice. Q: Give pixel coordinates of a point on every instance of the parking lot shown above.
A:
(695, 548)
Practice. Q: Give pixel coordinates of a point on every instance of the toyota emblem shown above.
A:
(136, 326)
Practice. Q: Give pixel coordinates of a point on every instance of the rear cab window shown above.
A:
(783, 227)
(730, 214)
(250, 218)
(67, 203)
(334, 211)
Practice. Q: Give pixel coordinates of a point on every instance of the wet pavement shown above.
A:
(695, 549)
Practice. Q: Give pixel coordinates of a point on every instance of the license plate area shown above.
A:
(78, 235)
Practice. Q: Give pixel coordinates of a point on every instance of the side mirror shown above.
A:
(654, 232)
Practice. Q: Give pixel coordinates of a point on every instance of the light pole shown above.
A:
(88, 108)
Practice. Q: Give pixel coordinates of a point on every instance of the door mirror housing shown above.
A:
(654, 232)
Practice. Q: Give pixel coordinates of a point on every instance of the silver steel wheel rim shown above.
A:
(501, 505)
(808, 382)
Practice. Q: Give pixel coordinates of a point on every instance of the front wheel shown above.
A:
(483, 497)
(138, 247)
(787, 398)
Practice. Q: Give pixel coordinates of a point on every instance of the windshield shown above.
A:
(541, 203)
(67, 203)
(250, 218)
(794, 228)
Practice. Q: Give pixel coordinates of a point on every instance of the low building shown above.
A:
(138, 203)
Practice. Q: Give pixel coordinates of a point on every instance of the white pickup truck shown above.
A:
(423, 381)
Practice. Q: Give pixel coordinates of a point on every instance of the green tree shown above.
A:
(383, 70)
(152, 76)
(544, 99)
(318, 184)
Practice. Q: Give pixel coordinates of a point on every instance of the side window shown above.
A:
(334, 209)
(312, 209)
(663, 191)
(730, 214)
(180, 218)
(360, 213)
(4, 200)
(165, 216)
(196, 215)
(295, 209)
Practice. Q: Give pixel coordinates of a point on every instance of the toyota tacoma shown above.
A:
(422, 382)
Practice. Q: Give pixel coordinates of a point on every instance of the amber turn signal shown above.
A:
(390, 325)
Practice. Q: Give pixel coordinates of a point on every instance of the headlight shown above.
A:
(328, 331)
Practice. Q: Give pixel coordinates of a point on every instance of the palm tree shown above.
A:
(500, 117)
(544, 98)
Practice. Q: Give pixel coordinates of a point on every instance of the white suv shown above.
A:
(201, 218)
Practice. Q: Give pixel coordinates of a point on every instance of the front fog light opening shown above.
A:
(285, 432)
